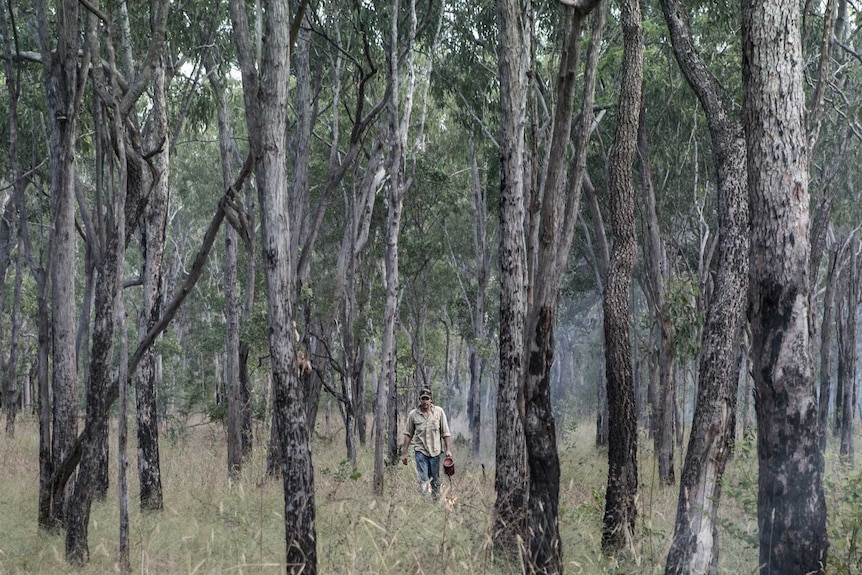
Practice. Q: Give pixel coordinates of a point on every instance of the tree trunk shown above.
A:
(620, 510)
(398, 125)
(791, 508)
(233, 383)
(108, 247)
(510, 483)
(826, 350)
(8, 229)
(656, 265)
(12, 395)
(847, 356)
(153, 248)
(478, 202)
(265, 96)
(695, 541)
(560, 205)
(600, 258)
(63, 80)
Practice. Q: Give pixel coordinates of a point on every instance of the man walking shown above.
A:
(426, 427)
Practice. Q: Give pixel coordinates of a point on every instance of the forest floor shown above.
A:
(212, 525)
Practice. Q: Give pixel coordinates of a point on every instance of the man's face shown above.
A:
(424, 400)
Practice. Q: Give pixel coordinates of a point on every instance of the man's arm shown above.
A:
(408, 436)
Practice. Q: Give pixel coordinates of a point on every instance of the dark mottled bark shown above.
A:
(560, 206)
(265, 97)
(101, 372)
(620, 510)
(791, 507)
(152, 241)
(510, 483)
(694, 549)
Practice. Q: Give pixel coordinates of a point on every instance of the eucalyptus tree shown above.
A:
(467, 82)
(151, 239)
(336, 35)
(60, 41)
(620, 509)
(13, 214)
(265, 94)
(107, 232)
(510, 482)
(848, 306)
(695, 540)
(560, 202)
(401, 85)
(21, 84)
(237, 400)
(791, 507)
(657, 271)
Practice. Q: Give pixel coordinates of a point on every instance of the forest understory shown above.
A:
(212, 525)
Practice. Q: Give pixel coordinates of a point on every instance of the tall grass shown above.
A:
(213, 525)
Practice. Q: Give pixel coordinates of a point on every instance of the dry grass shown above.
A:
(211, 525)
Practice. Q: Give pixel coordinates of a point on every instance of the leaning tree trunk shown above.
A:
(510, 483)
(620, 510)
(791, 508)
(695, 540)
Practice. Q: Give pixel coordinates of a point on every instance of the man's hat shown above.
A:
(425, 393)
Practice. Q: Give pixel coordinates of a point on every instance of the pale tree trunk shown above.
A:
(265, 96)
(656, 266)
(620, 509)
(559, 209)
(356, 232)
(399, 120)
(695, 540)
(152, 239)
(826, 350)
(510, 483)
(600, 256)
(847, 353)
(791, 508)
(233, 384)
(64, 77)
(11, 393)
(8, 229)
(478, 201)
